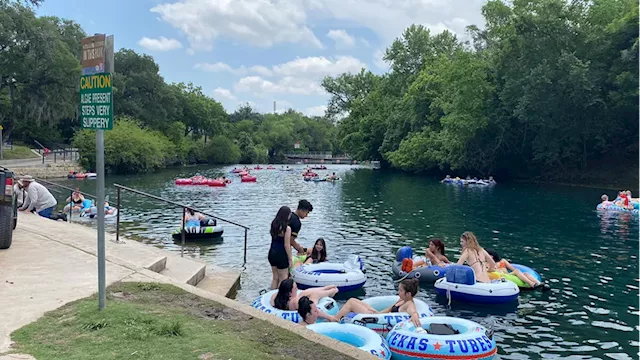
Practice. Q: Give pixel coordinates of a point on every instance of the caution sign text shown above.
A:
(96, 102)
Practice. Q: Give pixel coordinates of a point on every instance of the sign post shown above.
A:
(1, 143)
(96, 113)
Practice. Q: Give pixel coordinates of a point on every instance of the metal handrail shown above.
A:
(184, 210)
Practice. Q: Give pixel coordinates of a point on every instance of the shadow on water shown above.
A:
(588, 258)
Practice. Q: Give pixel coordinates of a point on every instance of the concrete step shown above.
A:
(184, 270)
(221, 281)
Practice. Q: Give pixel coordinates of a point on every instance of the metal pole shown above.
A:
(102, 296)
(1, 145)
(184, 215)
(118, 216)
(245, 246)
(70, 206)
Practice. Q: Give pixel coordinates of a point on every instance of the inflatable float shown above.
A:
(263, 303)
(92, 212)
(425, 274)
(515, 279)
(358, 336)
(347, 276)
(216, 183)
(383, 322)
(460, 285)
(248, 178)
(635, 210)
(199, 232)
(441, 338)
(184, 181)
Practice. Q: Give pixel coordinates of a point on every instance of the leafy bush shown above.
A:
(221, 150)
(128, 148)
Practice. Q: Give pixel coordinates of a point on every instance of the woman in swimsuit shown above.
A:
(475, 256)
(287, 297)
(435, 253)
(503, 266)
(75, 200)
(406, 291)
(318, 253)
(280, 251)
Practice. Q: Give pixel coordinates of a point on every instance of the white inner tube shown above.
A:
(383, 322)
(358, 336)
(263, 302)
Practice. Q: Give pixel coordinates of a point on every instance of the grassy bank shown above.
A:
(18, 152)
(155, 321)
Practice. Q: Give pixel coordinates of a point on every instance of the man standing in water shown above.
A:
(303, 210)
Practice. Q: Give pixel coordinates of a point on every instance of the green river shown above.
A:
(589, 259)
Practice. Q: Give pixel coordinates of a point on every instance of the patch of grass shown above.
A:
(18, 152)
(159, 321)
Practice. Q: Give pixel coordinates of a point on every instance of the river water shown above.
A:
(590, 260)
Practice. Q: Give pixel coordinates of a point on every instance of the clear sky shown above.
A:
(258, 51)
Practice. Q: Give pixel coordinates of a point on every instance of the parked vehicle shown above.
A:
(8, 208)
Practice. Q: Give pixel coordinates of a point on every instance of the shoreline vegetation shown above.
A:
(158, 321)
(542, 90)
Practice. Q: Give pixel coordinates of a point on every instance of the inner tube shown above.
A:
(635, 211)
(460, 285)
(184, 181)
(248, 178)
(361, 337)
(425, 274)
(263, 303)
(217, 183)
(92, 213)
(198, 232)
(445, 338)
(347, 276)
(383, 322)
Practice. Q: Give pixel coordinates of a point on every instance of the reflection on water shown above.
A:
(587, 257)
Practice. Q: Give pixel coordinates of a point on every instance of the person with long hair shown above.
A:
(406, 292)
(318, 252)
(287, 297)
(435, 253)
(280, 251)
(476, 257)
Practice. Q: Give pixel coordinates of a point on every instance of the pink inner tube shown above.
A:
(249, 179)
(184, 181)
(217, 183)
(204, 181)
(244, 173)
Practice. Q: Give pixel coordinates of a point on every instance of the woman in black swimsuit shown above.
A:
(406, 291)
(280, 251)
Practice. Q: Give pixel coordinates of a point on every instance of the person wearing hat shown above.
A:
(18, 189)
(38, 198)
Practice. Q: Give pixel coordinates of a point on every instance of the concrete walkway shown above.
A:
(52, 263)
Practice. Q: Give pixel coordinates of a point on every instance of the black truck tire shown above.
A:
(6, 226)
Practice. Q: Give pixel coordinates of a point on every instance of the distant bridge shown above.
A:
(318, 156)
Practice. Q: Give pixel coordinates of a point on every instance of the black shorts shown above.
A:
(278, 258)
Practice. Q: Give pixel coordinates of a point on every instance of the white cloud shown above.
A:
(315, 110)
(261, 70)
(300, 76)
(224, 93)
(160, 44)
(388, 19)
(319, 66)
(342, 39)
(378, 60)
(287, 85)
(257, 22)
(220, 67)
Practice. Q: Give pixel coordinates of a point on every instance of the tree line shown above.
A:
(157, 124)
(548, 88)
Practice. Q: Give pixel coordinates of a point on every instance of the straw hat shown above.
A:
(26, 178)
